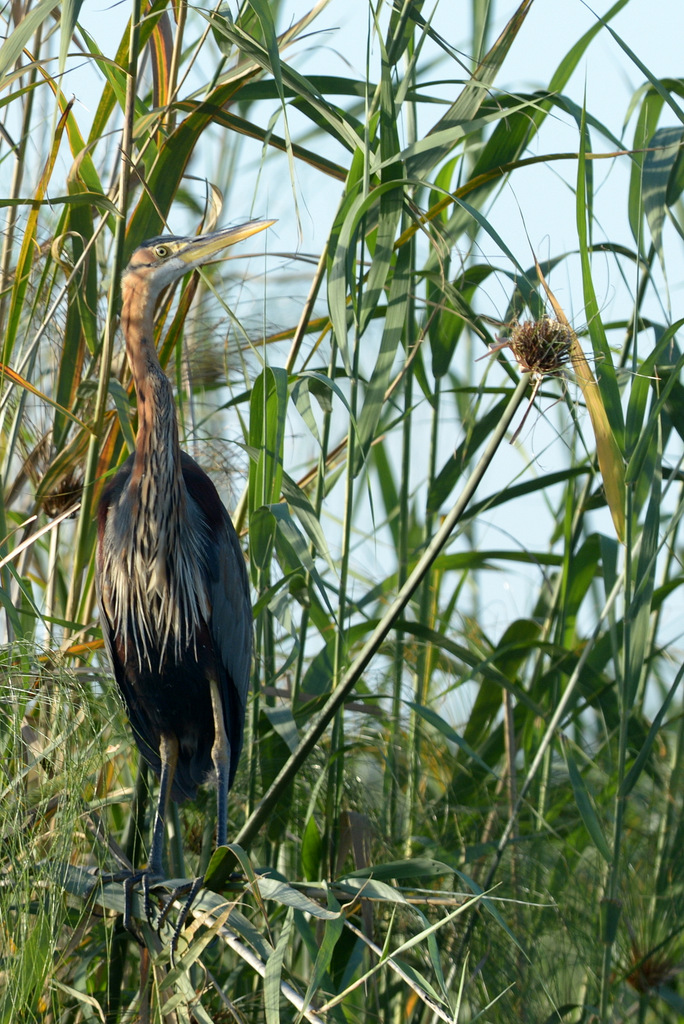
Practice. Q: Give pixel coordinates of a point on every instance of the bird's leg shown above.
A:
(220, 755)
(168, 751)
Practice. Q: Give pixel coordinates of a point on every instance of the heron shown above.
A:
(172, 585)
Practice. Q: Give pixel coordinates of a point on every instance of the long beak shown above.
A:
(197, 251)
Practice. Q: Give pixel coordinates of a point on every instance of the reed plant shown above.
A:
(460, 796)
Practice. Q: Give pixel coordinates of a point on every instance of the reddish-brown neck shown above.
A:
(157, 449)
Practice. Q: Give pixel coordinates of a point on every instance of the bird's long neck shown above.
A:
(157, 453)
(155, 557)
(155, 487)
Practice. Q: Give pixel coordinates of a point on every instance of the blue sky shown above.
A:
(536, 208)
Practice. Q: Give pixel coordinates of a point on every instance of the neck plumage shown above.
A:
(158, 593)
(156, 481)
(156, 446)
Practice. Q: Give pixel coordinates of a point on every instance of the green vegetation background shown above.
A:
(439, 815)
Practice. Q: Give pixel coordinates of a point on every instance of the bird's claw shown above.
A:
(156, 918)
(189, 891)
(130, 879)
(152, 915)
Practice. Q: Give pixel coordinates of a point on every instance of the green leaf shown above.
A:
(305, 513)
(663, 151)
(293, 550)
(446, 132)
(640, 610)
(393, 329)
(312, 102)
(639, 457)
(268, 412)
(632, 777)
(312, 850)
(414, 867)
(123, 410)
(69, 11)
(585, 806)
(476, 435)
(13, 46)
(77, 199)
(262, 531)
(273, 973)
(279, 892)
(331, 935)
(282, 720)
(428, 715)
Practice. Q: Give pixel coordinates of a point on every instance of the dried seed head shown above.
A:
(541, 347)
(65, 492)
(650, 970)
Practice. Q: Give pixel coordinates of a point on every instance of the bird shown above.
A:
(172, 584)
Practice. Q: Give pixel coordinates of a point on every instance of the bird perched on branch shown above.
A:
(172, 584)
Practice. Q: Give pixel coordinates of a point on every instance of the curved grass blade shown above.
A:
(664, 150)
(585, 805)
(610, 459)
(13, 46)
(22, 382)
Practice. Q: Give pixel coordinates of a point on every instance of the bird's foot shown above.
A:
(189, 891)
(130, 879)
(155, 916)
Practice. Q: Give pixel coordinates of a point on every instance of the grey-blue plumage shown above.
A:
(164, 682)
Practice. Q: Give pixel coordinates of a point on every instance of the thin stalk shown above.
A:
(669, 820)
(266, 624)
(181, 16)
(84, 528)
(392, 772)
(392, 775)
(336, 700)
(546, 741)
(632, 328)
(132, 845)
(575, 504)
(555, 619)
(265, 659)
(25, 364)
(670, 567)
(336, 763)
(610, 902)
(251, 750)
(425, 616)
(176, 851)
(17, 178)
(325, 442)
(265, 633)
(53, 567)
(307, 310)
(319, 495)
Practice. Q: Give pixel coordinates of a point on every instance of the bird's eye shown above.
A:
(161, 251)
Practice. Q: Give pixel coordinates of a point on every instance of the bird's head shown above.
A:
(160, 261)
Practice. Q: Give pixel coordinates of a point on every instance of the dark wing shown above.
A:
(231, 610)
(147, 742)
